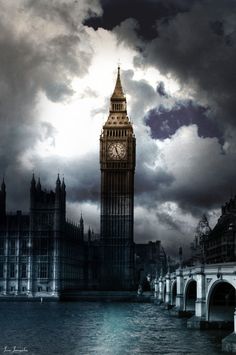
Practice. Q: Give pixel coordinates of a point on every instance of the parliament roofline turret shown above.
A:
(81, 218)
(63, 185)
(39, 185)
(58, 179)
(33, 179)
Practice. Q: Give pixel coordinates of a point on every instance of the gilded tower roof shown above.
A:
(117, 120)
(118, 114)
(118, 91)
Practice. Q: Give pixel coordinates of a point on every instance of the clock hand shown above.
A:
(116, 152)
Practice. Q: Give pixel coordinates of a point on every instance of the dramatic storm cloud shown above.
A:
(57, 72)
(42, 48)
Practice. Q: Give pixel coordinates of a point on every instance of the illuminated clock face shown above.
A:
(117, 151)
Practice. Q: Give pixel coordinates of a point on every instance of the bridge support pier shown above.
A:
(200, 308)
(168, 290)
(198, 321)
(229, 343)
(155, 289)
(180, 290)
(178, 310)
(200, 304)
(161, 289)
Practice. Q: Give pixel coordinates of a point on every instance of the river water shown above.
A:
(84, 328)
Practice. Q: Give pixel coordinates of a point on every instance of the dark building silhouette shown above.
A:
(92, 256)
(150, 259)
(220, 243)
(41, 253)
(117, 162)
(216, 245)
(198, 252)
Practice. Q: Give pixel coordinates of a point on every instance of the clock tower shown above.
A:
(117, 162)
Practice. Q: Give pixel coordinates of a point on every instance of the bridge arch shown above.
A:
(173, 293)
(221, 301)
(190, 295)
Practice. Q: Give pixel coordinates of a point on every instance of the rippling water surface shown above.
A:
(85, 328)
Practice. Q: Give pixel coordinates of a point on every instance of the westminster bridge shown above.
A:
(207, 292)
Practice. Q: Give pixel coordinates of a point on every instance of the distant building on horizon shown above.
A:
(150, 260)
(217, 245)
(220, 243)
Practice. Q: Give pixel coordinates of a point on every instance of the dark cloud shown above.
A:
(146, 12)
(197, 160)
(161, 89)
(82, 176)
(149, 183)
(195, 44)
(41, 51)
(191, 168)
(164, 123)
(203, 172)
(198, 47)
(142, 93)
(169, 222)
(129, 29)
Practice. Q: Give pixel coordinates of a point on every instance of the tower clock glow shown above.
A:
(117, 162)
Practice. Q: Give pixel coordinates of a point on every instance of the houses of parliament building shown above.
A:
(43, 254)
(40, 252)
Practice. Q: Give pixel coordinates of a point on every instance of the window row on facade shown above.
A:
(42, 270)
(41, 246)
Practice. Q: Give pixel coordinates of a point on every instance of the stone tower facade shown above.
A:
(117, 163)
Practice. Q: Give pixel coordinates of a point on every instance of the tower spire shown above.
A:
(118, 91)
(118, 104)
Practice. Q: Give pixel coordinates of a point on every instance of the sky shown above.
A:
(58, 66)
